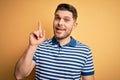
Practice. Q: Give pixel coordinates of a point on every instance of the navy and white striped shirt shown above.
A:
(68, 62)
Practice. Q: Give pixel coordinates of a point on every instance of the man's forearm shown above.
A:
(88, 77)
(24, 65)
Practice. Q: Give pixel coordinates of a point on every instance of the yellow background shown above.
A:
(98, 27)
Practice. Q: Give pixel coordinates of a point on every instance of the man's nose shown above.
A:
(61, 22)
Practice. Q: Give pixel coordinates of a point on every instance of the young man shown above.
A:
(59, 58)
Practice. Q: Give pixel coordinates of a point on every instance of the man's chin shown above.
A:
(60, 37)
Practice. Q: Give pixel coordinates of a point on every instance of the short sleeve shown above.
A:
(35, 55)
(88, 68)
(34, 58)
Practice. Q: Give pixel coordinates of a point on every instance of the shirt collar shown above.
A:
(71, 43)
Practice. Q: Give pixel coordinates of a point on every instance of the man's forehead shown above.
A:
(63, 13)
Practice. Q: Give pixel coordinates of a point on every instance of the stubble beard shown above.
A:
(66, 34)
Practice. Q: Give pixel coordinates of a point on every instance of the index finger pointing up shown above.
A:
(40, 30)
(39, 27)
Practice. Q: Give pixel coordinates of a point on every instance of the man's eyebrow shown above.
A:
(57, 15)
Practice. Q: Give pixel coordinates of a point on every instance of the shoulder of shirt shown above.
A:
(82, 45)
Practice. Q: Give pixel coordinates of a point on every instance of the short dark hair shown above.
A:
(67, 7)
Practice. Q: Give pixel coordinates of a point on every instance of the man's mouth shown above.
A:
(60, 29)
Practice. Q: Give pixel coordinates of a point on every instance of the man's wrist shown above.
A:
(32, 46)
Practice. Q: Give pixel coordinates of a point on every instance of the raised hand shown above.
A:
(37, 37)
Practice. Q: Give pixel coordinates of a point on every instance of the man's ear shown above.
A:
(75, 25)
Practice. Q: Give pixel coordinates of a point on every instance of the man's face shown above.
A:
(63, 24)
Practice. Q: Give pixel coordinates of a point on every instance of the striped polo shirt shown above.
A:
(68, 62)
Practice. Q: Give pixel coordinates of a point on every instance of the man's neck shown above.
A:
(64, 41)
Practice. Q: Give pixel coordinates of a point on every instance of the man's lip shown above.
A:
(60, 29)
